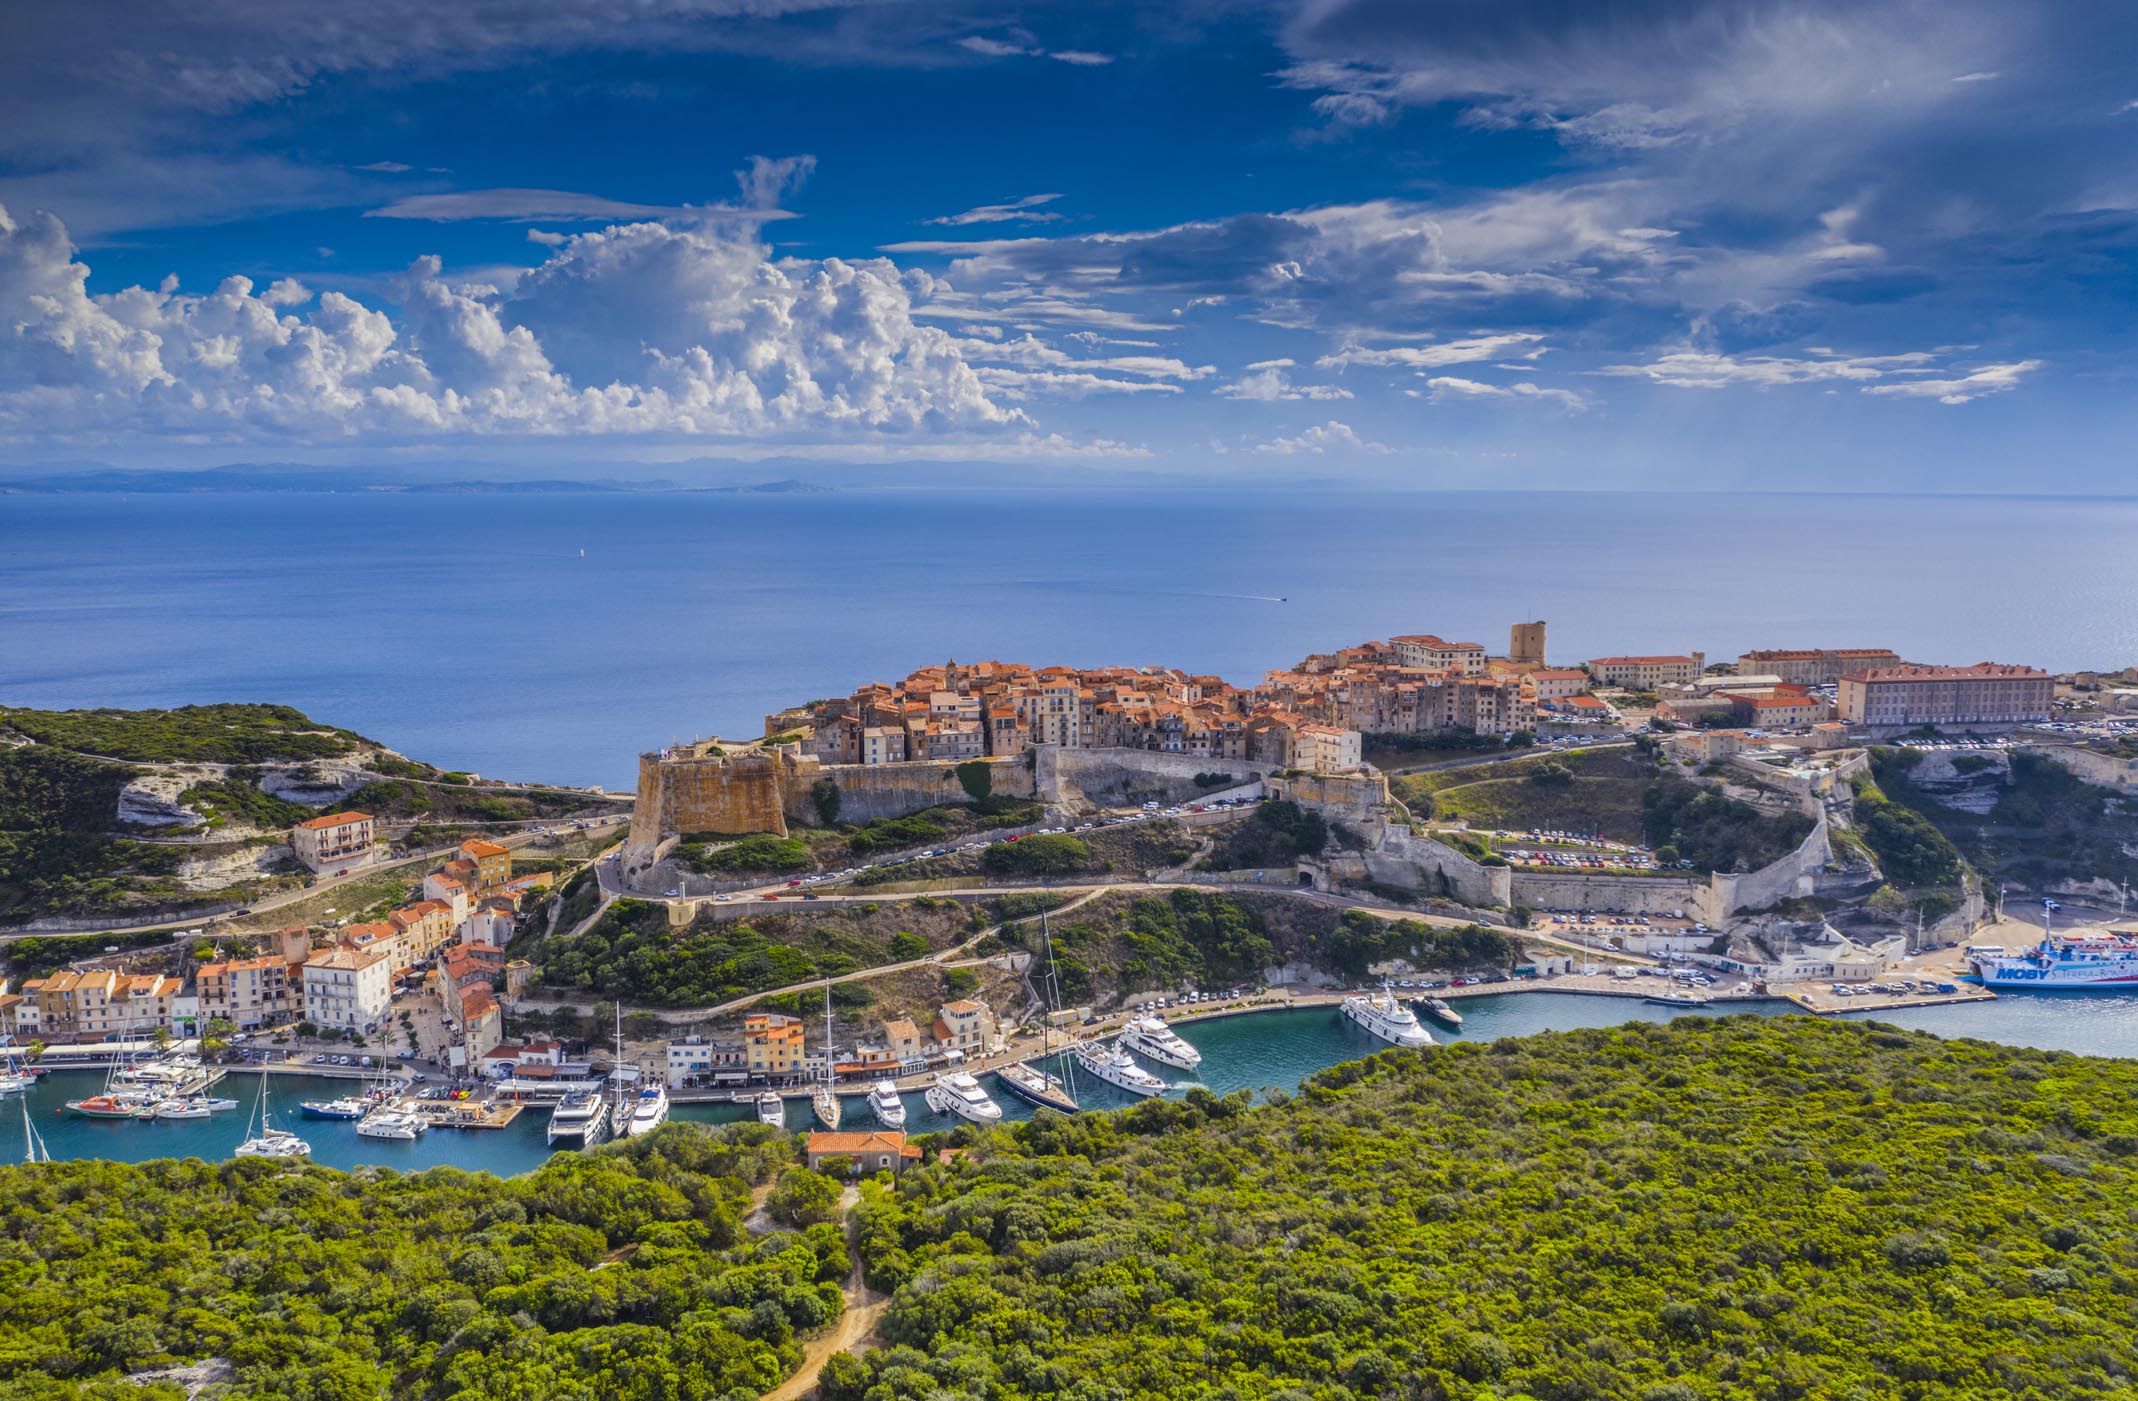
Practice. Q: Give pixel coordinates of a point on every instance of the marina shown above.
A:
(1272, 1047)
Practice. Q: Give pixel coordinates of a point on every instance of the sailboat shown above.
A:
(1025, 1079)
(14, 1077)
(36, 1152)
(824, 1103)
(270, 1142)
(117, 1102)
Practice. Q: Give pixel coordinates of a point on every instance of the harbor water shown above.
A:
(1253, 1051)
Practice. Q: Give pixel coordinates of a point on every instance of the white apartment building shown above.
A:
(1422, 649)
(1326, 749)
(1647, 673)
(348, 988)
(1983, 694)
(338, 842)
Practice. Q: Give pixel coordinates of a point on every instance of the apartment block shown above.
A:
(341, 841)
(1986, 693)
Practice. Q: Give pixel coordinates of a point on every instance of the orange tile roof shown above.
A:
(339, 819)
(873, 1141)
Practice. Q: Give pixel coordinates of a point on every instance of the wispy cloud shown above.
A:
(1919, 374)
(987, 47)
(1450, 386)
(1022, 211)
(387, 167)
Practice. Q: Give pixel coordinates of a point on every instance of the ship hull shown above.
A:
(1034, 1095)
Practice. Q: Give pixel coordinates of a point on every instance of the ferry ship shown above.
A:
(1380, 1014)
(1150, 1037)
(579, 1119)
(1117, 1068)
(885, 1104)
(958, 1093)
(2081, 959)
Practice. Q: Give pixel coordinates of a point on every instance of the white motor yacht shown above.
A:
(649, 1112)
(183, 1109)
(1380, 1014)
(392, 1123)
(1117, 1068)
(886, 1104)
(958, 1093)
(1149, 1036)
(771, 1109)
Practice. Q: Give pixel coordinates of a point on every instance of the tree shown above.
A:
(907, 945)
(803, 1198)
(825, 794)
(34, 1052)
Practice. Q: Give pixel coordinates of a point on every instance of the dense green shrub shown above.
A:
(212, 734)
(1061, 855)
(762, 852)
(623, 1274)
(1743, 1207)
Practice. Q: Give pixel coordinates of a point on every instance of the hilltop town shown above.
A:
(1739, 815)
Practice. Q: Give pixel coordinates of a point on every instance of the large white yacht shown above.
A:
(771, 1109)
(579, 1119)
(958, 1093)
(886, 1105)
(649, 1112)
(1380, 1014)
(1117, 1068)
(1150, 1037)
(392, 1123)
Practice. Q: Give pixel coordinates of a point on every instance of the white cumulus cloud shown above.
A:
(1321, 438)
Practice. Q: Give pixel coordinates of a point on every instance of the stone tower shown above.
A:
(1525, 643)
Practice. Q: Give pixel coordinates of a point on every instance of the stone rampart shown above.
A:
(871, 791)
(1123, 777)
(1647, 895)
(1403, 858)
(1359, 800)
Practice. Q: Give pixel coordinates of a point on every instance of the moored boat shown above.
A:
(182, 1109)
(1380, 1014)
(347, 1107)
(1149, 1036)
(1440, 1011)
(392, 1123)
(578, 1119)
(126, 1104)
(825, 1106)
(275, 1143)
(2083, 958)
(771, 1109)
(649, 1112)
(887, 1105)
(1117, 1068)
(1675, 999)
(956, 1092)
(1035, 1086)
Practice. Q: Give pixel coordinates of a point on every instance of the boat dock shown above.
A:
(462, 1113)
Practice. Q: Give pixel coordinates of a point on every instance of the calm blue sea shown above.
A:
(471, 631)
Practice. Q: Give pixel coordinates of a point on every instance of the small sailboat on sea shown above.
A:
(824, 1102)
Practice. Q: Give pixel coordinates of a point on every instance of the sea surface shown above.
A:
(557, 636)
(1255, 1052)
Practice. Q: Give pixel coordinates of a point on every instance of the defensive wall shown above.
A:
(2091, 766)
(871, 791)
(1125, 777)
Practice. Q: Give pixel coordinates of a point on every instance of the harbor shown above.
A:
(1243, 1046)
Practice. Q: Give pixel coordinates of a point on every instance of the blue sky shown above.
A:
(1866, 246)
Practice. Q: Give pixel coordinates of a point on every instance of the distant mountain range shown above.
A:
(276, 478)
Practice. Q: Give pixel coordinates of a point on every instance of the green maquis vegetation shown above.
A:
(618, 1275)
(1771, 1209)
(56, 852)
(211, 734)
(1715, 831)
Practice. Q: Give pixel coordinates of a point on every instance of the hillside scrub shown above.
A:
(1909, 847)
(57, 852)
(1715, 831)
(622, 1273)
(2048, 824)
(1741, 1207)
(1040, 856)
(631, 955)
(213, 734)
(1280, 833)
(1205, 938)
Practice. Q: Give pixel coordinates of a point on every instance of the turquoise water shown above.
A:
(1255, 1052)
